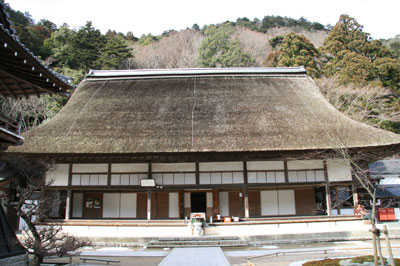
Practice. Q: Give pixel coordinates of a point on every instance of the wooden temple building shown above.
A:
(21, 75)
(151, 145)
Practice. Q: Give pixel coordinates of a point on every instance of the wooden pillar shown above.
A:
(149, 176)
(245, 192)
(286, 171)
(328, 199)
(246, 202)
(216, 201)
(68, 205)
(148, 204)
(355, 197)
(328, 191)
(337, 200)
(197, 174)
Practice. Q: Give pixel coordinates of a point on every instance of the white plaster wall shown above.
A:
(286, 202)
(173, 205)
(173, 167)
(224, 203)
(221, 166)
(58, 174)
(77, 205)
(265, 165)
(269, 202)
(305, 164)
(90, 168)
(130, 168)
(111, 202)
(353, 227)
(392, 180)
(209, 199)
(128, 205)
(338, 170)
(187, 200)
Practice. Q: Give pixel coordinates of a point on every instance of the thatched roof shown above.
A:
(21, 73)
(199, 110)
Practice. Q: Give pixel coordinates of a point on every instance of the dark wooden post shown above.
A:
(328, 199)
(149, 194)
(245, 191)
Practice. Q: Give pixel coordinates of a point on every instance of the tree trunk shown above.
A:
(37, 260)
(374, 229)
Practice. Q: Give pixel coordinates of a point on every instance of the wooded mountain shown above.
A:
(359, 75)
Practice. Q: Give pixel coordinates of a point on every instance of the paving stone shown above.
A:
(195, 257)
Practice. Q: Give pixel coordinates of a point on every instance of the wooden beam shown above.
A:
(8, 89)
(28, 82)
(20, 88)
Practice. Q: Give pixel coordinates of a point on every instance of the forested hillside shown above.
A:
(359, 75)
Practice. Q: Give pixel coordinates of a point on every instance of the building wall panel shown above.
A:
(286, 202)
(58, 175)
(128, 205)
(223, 203)
(130, 168)
(265, 165)
(90, 168)
(221, 166)
(305, 164)
(254, 203)
(111, 204)
(77, 204)
(269, 202)
(173, 167)
(236, 204)
(142, 205)
(338, 170)
(174, 205)
(162, 199)
(305, 201)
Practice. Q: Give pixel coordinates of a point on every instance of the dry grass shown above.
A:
(336, 262)
(366, 104)
(327, 262)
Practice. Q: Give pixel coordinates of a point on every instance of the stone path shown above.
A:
(206, 256)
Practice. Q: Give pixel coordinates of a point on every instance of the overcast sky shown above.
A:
(379, 17)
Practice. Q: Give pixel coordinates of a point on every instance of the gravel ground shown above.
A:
(245, 256)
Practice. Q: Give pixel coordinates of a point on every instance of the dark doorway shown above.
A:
(198, 201)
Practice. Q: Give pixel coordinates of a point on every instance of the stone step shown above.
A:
(193, 246)
(198, 238)
(197, 243)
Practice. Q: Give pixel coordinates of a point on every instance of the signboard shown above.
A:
(147, 182)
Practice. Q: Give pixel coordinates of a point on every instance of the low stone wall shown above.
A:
(108, 233)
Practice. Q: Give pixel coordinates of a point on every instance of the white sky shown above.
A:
(379, 17)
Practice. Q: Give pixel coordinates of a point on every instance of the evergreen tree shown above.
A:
(219, 50)
(353, 57)
(296, 50)
(114, 53)
(87, 44)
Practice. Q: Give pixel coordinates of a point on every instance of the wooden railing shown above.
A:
(10, 125)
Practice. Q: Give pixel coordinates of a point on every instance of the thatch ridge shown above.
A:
(200, 114)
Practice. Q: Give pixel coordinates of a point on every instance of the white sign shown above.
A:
(147, 182)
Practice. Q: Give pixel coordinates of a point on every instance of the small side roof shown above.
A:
(21, 72)
(385, 167)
